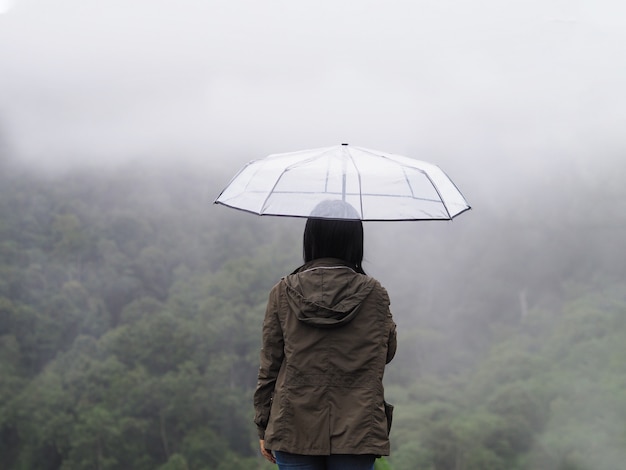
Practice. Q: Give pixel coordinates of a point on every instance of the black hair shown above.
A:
(334, 238)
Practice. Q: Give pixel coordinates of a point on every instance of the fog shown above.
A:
(482, 88)
(520, 102)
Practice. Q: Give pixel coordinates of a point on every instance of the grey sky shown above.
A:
(508, 84)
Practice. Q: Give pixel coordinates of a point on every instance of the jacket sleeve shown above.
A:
(392, 342)
(392, 339)
(271, 359)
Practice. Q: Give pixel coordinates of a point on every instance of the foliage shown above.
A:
(130, 318)
(551, 401)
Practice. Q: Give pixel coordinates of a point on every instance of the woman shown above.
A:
(327, 336)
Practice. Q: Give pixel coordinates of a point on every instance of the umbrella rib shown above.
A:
(408, 182)
(293, 165)
(234, 178)
(354, 194)
(425, 173)
(358, 173)
(270, 192)
(443, 203)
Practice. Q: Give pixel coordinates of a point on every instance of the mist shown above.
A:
(521, 103)
(474, 86)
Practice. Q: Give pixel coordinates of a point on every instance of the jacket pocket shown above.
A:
(389, 415)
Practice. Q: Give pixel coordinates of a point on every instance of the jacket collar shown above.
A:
(324, 263)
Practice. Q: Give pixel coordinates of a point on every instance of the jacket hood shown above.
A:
(327, 293)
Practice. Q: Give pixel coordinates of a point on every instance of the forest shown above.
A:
(131, 310)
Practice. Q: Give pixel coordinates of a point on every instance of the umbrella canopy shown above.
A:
(380, 186)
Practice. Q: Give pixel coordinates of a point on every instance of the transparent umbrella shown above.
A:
(379, 185)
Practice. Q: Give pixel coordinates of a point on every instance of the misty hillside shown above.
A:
(130, 314)
(131, 307)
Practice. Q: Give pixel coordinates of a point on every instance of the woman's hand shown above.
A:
(266, 453)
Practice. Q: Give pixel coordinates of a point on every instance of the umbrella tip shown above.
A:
(344, 144)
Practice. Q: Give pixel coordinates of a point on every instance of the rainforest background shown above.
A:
(131, 310)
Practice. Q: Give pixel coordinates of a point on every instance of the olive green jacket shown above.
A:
(327, 336)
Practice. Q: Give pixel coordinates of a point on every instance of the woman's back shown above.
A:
(336, 334)
(327, 335)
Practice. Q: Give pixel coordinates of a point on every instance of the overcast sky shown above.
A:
(499, 85)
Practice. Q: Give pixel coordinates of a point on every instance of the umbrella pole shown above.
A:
(345, 164)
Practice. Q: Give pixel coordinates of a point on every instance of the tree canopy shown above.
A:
(130, 314)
